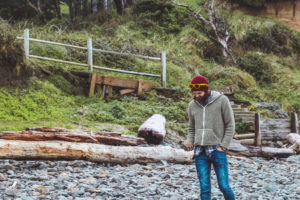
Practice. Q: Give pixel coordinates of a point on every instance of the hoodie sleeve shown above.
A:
(229, 123)
(191, 127)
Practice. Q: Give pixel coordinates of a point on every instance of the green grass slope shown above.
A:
(267, 68)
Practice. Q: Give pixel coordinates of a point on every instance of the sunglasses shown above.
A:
(196, 86)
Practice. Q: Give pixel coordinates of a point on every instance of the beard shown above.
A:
(203, 98)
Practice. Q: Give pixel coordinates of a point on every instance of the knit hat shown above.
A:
(199, 83)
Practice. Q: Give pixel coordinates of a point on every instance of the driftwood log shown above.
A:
(61, 150)
(294, 139)
(47, 134)
(153, 129)
(236, 148)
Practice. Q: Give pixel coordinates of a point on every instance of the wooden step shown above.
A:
(244, 136)
(247, 141)
(239, 109)
(235, 106)
(247, 119)
(244, 113)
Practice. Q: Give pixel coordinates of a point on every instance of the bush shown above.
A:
(251, 3)
(255, 65)
(11, 51)
(274, 38)
(166, 14)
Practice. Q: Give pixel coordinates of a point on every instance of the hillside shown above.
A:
(267, 67)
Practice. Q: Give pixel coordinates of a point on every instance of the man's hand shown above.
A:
(221, 149)
(187, 146)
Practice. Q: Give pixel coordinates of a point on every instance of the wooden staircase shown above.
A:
(263, 131)
(242, 114)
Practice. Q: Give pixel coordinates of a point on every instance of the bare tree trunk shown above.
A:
(119, 6)
(77, 8)
(217, 25)
(57, 8)
(84, 8)
(94, 6)
(37, 8)
(105, 5)
(71, 9)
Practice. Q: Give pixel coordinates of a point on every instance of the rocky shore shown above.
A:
(250, 178)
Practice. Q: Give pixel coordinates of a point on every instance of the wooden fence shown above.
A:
(274, 129)
(90, 51)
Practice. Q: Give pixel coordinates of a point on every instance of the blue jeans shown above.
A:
(203, 166)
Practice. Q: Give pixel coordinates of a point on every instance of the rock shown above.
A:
(3, 177)
(63, 176)
(11, 172)
(279, 114)
(268, 105)
(297, 190)
(295, 159)
(10, 192)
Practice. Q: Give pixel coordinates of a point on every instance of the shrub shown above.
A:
(166, 14)
(257, 67)
(251, 3)
(274, 38)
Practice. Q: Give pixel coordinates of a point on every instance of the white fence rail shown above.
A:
(90, 63)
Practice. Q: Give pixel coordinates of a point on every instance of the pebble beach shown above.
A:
(251, 178)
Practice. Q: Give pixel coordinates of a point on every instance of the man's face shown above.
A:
(198, 95)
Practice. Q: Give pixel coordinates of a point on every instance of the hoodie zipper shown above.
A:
(203, 131)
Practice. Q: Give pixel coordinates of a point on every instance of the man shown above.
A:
(211, 128)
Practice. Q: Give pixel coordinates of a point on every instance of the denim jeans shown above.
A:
(220, 163)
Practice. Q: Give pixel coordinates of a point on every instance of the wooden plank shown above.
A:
(124, 83)
(247, 141)
(272, 135)
(110, 90)
(243, 136)
(275, 121)
(275, 126)
(257, 139)
(92, 85)
(126, 91)
(140, 87)
(294, 122)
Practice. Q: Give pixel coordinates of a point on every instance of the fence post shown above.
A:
(294, 123)
(163, 69)
(90, 54)
(257, 139)
(26, 43)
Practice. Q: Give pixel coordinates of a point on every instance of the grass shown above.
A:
(60, 99)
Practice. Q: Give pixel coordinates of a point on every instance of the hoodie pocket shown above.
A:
(206, 137)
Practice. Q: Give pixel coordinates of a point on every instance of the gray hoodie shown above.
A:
(212, 124)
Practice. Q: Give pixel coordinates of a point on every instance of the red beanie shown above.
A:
(200, 80)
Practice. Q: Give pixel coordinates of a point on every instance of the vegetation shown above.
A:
(267, 69)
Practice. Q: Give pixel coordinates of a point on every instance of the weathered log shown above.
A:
(153, 129)
(244, 136)
(294, 139)
(61, 150)
(72, 136)
(236, 148)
